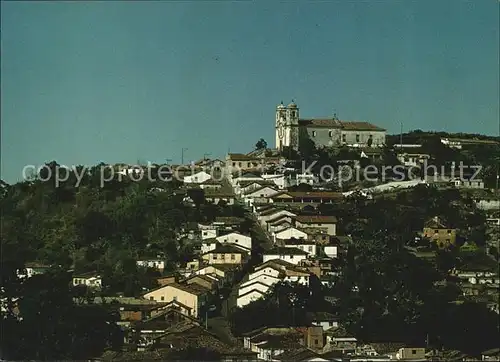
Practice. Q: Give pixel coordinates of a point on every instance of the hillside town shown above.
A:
(260, 256)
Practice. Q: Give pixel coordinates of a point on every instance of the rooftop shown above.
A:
(345, 125)
(316, 219)
(284, 251)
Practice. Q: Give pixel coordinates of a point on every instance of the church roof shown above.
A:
(333, 123)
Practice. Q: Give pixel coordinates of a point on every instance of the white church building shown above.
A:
(324, 132)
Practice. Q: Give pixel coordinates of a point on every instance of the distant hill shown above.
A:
(419, 136)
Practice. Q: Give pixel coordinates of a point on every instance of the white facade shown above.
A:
(305, 178)
(153, 264)
(331, 251)
(289, 234)
(269, 216)
(236, 239)
(208, 245)
(308, 247)
(267, 271)
(488, 204)
(268, 280)
(280, 180)
(469, 184)
(259, 193)
(248, 298)
(197, 178)
(325, 324)
(208, 233)
(91, 282)
(330, 228)
(287, 126)
(291, 258)
(261, 287)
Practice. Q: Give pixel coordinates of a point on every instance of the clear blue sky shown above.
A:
(84, 82)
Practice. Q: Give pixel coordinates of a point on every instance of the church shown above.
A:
(324, 132)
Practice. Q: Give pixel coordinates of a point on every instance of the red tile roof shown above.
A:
(333, 123)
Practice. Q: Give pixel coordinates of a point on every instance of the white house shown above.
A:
(236, 239)
(255, 285)
(289, 233)
(209, 233)
(279, 223)
(331, 251)
(91, 280)
(262, 192)
(245, 178)
(249, 297)
(323, 319)
(305, 178)
(266, 279)
(245, 187)
(152, 263)
(197, 178)
(317, 221)
(279, 180)
(272, 214)
(309, 246)
(291, 255)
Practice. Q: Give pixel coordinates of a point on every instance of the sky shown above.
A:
(85, 82)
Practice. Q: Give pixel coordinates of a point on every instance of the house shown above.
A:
(319, 266)
(225, 254)
(143, 334)
(32, 268)
(272, 214)
(193, 296)
(300, 354)
(291, 255)
(411, 353)
(321, 197)
(337, 338)
(324, 320)
(280, 180)
(224, 272)
(438, 233)
(284, 270)
(239, 162)
(289, 233)
(198, 177)
(468, 183)
(206, 281)
(244, 187)
(237, 239)
(303, 244)
(331, 251)
(254, 292)
(279, 223)
(228, 222)
(209, 233)
(317, 221)
(210, 184)
(219, 197)
(166, 279)
(152, 264)
(411, 155)
(91, 280)
(262, 192)
(269, 342)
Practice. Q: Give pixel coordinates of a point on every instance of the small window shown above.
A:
(151, 298)
(413, 351)
(344, 138)
(214, 256)
(330, 134)
(310, 248)
(291, 256)
(162, 297)
(233, 257)
(175, 299)
(357, 138)
(316, 341)
(234, 164)
(314, 133)
(436, 231)
(449, 231)
(239, 164)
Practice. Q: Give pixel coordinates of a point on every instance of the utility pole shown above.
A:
(182, 155)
